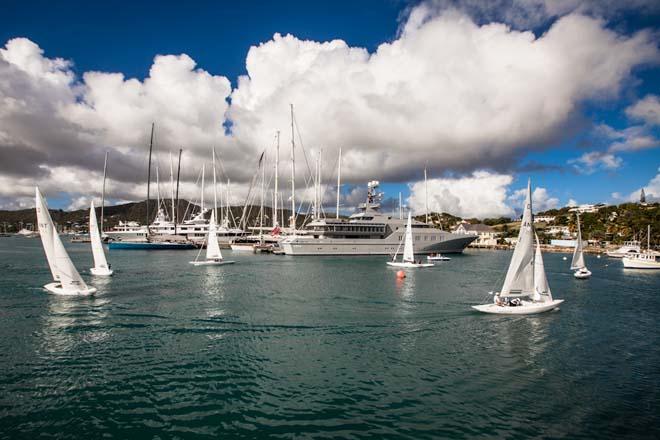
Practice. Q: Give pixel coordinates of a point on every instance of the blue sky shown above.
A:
(124, 37)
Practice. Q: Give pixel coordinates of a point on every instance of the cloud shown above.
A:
(481, 194)
(531, 13)
(447, 90)
(651, 190)
(646, 109)
(541, 199)
(572, 202)
(593, 161)
(627, 140)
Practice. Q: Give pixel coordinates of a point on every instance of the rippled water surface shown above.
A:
(283, 347)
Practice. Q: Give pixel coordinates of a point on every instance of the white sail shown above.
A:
(61, 266)
(212, 246)
(541, 288)
(46, 231)
(408, 253)
(95, 237)
(578, 255)
(519, 279)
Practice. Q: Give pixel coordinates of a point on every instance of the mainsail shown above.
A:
(541, 288)
(578, 255)
(519, 279)
(60, 264)
(212, 246)
(46, 231)
(408, 254)
(97, 247)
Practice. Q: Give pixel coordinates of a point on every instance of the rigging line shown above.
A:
(185, 213)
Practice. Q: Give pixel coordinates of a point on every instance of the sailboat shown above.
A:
(67, 280)
(213, 254)
(525, 290)
(408, 251)
(101, 267)
(577, 264)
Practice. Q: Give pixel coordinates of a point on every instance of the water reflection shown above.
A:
(74, 320)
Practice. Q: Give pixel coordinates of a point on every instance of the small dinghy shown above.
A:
(577, 263)
(67, 280)
(525, 290)
(408, 260)
(213, 254)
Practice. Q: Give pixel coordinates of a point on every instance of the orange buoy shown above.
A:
(400, 274)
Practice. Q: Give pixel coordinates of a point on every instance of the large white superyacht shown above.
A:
(370, 232)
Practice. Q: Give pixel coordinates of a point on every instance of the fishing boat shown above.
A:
(101, 267)
(628, 248)
(408, 259)
(213, 254)
(643, 260)
(67, 280)
(577, 264)
(525, 290)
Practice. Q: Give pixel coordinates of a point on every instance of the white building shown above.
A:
(487, 236)
(587, 208)
(561, 231)
(544, 219)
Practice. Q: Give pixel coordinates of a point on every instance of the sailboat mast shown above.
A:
(202, 195)
(292, 222)
(400, 207)
(338, 183)
(277, 176)
(648, 238)
(105, 167)
(178, 175)
(426, 195)
(157, 189)
(320, 193)
(151, 146)
(215, 189)
(172, 184)
(261, 209)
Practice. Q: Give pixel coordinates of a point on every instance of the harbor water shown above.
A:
(322, 347)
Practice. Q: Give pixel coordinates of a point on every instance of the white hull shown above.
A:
(101, 271)
(582, 274)
(242, 247)
(527, 308)
(635, 263)
(211, 262)
(438, 258)
(615, 254)
(57, 289)
(409, 265)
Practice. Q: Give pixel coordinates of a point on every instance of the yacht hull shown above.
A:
(528, 308)
(386, 246)
(148, 245)
(635, 263)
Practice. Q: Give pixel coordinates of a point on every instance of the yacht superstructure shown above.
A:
(370, 232)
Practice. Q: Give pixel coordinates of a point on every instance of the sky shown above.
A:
(483, 94)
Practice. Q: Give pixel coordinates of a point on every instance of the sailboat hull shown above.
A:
(210, 262)
(57, 289)
(527, 308)
(101, 271)
(409, 265)
(582, 274)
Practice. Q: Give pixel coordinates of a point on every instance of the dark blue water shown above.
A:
(283, 347)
